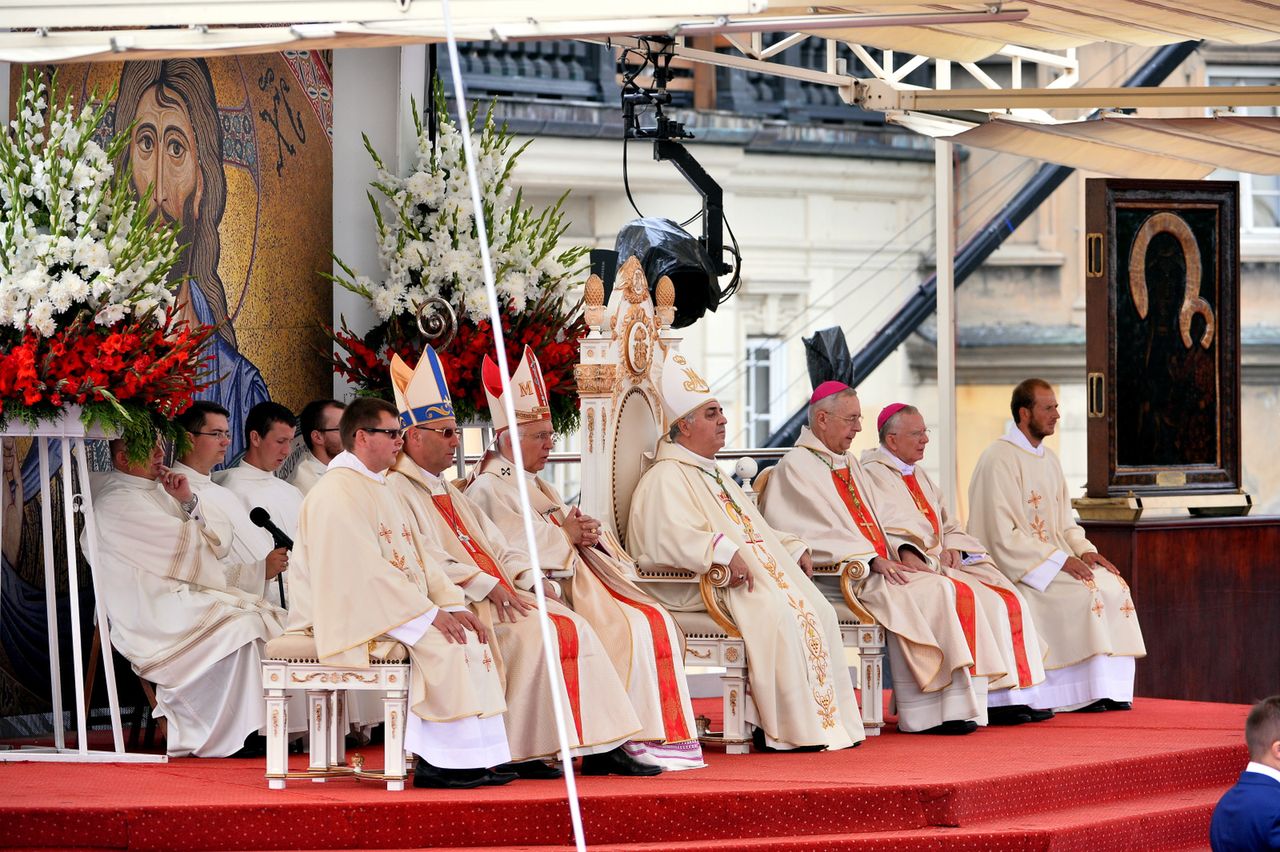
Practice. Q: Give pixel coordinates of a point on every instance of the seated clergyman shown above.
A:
(917, 523)
(268, 440)
(362, 576)
(1020, 508)
(174, 615)
(941, 650)
(318, 424)
(253, 561)
(497, 578)
(639, 635)
(686, 514)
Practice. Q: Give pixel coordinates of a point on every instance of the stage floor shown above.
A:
(1143, 779)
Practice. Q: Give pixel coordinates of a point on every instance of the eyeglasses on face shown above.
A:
(447, 432)
(543, 437)
(219, 434)
(394, 433)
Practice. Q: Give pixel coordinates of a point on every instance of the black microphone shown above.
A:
(262, 518)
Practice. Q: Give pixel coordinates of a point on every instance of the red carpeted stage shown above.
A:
(1145, 779)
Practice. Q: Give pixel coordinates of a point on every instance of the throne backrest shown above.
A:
(618, 374)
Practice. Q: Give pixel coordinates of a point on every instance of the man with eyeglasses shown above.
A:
(638, 633)
(497, 579)
(318, 425)
(929, 537)
(1020, 508)
(253, 561)
(364, 575)
(174, 614)
(941, 650)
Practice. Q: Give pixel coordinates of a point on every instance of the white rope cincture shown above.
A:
(550, 646)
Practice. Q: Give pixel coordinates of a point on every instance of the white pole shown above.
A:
(73, 595)
(51, 597)
(550, 646)
(944, 227)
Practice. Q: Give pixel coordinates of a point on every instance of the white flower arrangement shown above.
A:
(73, 235)
(426, 232)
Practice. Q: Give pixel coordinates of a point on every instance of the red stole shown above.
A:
(566, 630)
(922, 503)
(859, 510)
(673, 721)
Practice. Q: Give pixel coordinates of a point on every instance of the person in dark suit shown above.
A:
(1247, 817)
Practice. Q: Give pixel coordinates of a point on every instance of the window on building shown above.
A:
(1259, 194)
(766, 372)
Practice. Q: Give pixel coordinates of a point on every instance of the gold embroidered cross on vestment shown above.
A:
(743, 520)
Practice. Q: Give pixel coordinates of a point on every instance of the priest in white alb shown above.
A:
(687, 514)
(1020, 508)
(362, 576)
(174, 615)
(318, 424)
(640, 636)
(268, 434)
(941, 650)
(253, 561)
(497, 579)
(918, 525)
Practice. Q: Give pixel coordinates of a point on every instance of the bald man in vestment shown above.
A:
(687, 514)
(497, 579)
(1020, 508)
(941, 650)
(175, 613)
(641, 638)
(918, 524)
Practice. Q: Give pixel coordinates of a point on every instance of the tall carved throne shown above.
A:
(618, 386)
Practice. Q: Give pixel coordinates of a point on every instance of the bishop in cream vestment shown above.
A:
(1020, 508)
(686, 514)
(941, 649)
(175, 616)
(910, 506)
(642, 640)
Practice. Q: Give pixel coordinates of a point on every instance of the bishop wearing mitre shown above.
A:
(686, 514)
(362, 575)
(497, 579)
(919, 526)
(941, 650)
(642, 640)
(175, 614)
(1020, 508)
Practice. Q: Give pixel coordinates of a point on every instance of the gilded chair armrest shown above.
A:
(852, 573)
(712, 584)
(665, 574)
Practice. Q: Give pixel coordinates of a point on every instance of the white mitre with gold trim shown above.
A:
(422, 393)
(526, 382)
(683, 389)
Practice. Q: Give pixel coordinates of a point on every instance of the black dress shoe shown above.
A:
(534, 769)
(1117, 705)
(617, 762)
(497, 779)
(1040, 715)
(426, 775)
(759, 743)
(1014, 714)
(255, 745)
(1096, 707)
(951, 728)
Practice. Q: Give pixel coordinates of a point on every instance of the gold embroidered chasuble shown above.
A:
(640, 636)
(941, 628)
(360, 569)
(800, 682)
(916, 517)
(172, 610)
(591, 691)
(1019, 507)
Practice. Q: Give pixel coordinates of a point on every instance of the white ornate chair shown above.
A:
(290, 662)
(622, 421)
